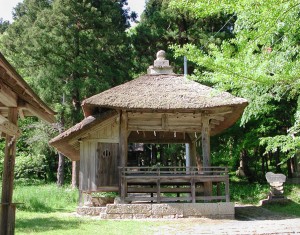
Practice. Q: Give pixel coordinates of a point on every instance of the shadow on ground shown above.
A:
(251, 213)
(45, 224)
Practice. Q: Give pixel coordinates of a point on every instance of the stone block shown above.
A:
(126, 216)
(110, 216)
(128, 209)
(169, 216)
(102, 201)
(175, 209)
(200, 209)
(91, 211)
(140, 216)
(153, 216)
(226, 208)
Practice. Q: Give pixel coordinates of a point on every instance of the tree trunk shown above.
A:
(277, 161)
(244, 167)
(263, 160)
(289, 168)
(60, 170)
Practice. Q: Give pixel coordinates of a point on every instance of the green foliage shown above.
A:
(161, 26)
(260, 63)
(286, 144)
(67, 51)
(62, 46)
(246, 193)
(44, 197)
(30, 166)
(3, 25)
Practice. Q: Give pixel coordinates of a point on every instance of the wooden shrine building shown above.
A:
(17, 100)
(159, 107)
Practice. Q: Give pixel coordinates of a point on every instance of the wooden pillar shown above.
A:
(205, 142)
(7, 210)
(123, 151)
(75, 174)
(206, 153)
(193, 154)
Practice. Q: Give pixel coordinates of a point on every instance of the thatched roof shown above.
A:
(162, 92)
(159, 91)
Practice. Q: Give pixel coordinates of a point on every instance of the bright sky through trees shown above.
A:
(6, 7)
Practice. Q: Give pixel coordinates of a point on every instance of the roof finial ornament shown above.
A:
(161, 65)
(161, 55)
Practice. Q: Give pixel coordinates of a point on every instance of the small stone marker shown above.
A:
(276, 190)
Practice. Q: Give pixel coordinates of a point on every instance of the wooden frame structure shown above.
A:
(158, 180)
(160, 107)
(16, 100)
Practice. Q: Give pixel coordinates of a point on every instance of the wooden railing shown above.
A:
(192, 183)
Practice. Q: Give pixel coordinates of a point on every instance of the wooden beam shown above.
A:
(8, 127)
(3, 119)
(38, 113)
(161, 137)
(164, 121)
(21, 114)
(7, 215)
(214, 122)
(7, 96)
(169, 129)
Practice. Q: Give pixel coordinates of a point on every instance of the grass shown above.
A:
(47, 209)
(65, 223)
(292, 192)
(45, 197)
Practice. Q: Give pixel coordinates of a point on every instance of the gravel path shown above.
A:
(249, 220)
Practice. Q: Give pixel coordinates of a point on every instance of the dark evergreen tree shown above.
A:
(69, 50)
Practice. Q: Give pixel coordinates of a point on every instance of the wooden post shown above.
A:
(75, 174)
(7, 210)
(205, 142)
(193, 153)
(123, 151)
(206, 152)
(193, 190)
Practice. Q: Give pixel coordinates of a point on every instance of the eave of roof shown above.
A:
(17, 84)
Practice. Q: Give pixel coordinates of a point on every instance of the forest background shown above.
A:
(69, 50)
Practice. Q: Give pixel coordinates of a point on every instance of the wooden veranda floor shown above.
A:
(173, 184)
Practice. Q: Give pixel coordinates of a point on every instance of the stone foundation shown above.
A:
(222, 210)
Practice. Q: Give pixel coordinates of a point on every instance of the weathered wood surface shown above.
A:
(7, 215)
(158, 137)
(98, 165)
(123, 150)
(7, 96)
(205, 134)
(107, 165)
(164, 122)
(10, 226)
(138, 179)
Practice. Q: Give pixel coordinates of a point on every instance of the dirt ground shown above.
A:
(249, 220)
